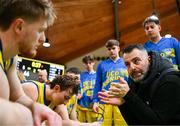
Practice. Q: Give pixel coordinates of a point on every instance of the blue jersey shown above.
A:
(108, 71)
(87, 85)
(168, 48)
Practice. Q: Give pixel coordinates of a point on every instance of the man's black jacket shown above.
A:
(163, 107)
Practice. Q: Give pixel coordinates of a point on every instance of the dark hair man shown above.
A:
(154, 93)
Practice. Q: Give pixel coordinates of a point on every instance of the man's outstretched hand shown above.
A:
(42, 113)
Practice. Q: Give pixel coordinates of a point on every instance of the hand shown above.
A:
(119, 90)
(42, 113)
(79, 96)
(110, 99)
(96, 107)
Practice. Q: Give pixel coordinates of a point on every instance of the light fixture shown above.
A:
(46, 43)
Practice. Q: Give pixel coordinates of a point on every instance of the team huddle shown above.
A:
(141, 87)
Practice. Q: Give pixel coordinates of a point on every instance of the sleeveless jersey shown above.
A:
(41, 87)
(4, 64)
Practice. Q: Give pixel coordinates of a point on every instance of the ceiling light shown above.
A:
(46, 43)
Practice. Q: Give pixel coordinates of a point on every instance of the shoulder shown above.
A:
(83, 73)
(29, 86)
(174, 39)
(147, 43)
(102, 63)
(171, 78)
(171, 40)
(30, 89)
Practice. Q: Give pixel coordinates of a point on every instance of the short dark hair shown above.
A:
(152, 18)
(65, 82)
(88, 58)
(29, 10)
(74, 70)
(130, 48)
(111, 43)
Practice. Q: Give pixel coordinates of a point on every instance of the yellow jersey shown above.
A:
(71, 104)
(4, 64)
(41, 87)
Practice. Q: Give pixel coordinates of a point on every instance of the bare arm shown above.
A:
(16, 90)
(40, 112)
(62, 111)
(4, 90)
(30, 90)
(73, 114)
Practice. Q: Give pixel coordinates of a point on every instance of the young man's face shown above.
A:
(62, 97)
(113, 51)
(137, 64)
(89, 65)
(32, 36)
(152, 30)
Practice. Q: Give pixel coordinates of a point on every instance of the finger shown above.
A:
(121, 79)
(53, 119)
(58, 120)
(115, 89)
(49, 121)
(105, 94)
(37, 121)
(102, 95)
(112, 95)
(103, 90)
(113, 85)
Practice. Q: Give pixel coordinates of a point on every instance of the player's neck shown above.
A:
(115, 58)
(156, 39)
(91, 70)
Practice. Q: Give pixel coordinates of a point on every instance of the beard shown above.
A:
(138, 79)
(142, 77)
(27, 51)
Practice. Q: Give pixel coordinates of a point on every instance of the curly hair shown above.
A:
(65, 82)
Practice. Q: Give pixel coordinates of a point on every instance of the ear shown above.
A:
(119, 48)
(149, 58)
(57, 88)
(18, 25)
(159, 27)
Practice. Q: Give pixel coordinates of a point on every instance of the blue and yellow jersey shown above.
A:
(71, 104)
(41, 87)
(87, 85)
(4, 64)
(108, 71)
(168, 48)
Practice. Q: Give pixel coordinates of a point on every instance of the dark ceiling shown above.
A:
(85, 25)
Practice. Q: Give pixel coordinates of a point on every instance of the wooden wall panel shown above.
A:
(85, 25)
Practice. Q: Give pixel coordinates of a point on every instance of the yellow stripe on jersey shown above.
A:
(4, 64)
(71, 104)
(42, 94)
